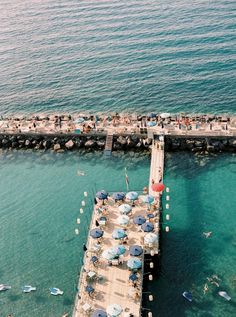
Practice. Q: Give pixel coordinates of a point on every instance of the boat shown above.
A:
(55, 291)
(4, 287)
(28, 288)
(225, 295)
(188, 296)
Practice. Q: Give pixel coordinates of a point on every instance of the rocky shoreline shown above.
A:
(62, 143)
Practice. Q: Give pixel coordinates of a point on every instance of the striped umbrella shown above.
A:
(132, 195)
(148, 199)
(119, 249)
(119, 234)
(134, 263)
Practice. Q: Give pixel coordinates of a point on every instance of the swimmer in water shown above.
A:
(216, 277)
(215, 283)
(207, 234)
(205, 289)
(80, 173)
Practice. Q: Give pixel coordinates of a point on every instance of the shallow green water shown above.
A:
(41, 195)
(40, 198)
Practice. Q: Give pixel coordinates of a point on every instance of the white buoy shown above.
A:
(167, 217)
(83, 203)
(76, 231)
(167, 229)
(151, 265)
(85, 194)
(152, 253)
(149, 314)
(150, 297)
(78, 221)
(168, 197)
(167, 189)
(167, 206)
(150, 277)
(81, 210)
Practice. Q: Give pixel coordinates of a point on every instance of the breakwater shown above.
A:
(61, 142)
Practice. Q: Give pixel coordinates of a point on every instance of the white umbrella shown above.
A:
(114, 310)
(123, 220)
(165, 115)
(109, 254)
(150, 238)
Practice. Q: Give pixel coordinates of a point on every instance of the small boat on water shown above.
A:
(28, 288)
(188, 296)
(225, 295)
(55, 291)
(4, 287)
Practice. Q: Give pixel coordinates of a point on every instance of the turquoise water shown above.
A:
(41, 196)
(106, 55)
(202, 199)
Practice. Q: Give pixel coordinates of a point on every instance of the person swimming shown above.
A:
(205, 289)
(207, 234)
(80, 173)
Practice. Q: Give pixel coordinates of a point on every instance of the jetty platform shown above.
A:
(110, 279)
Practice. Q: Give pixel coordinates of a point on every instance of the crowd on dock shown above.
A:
(84, 123)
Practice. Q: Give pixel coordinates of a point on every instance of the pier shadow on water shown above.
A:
(184, 259)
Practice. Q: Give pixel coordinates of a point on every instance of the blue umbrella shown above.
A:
(119, 234)
(133, 277)
(118, 196)
(94, 259)
(148, 199)
(152, 115)
(147, 227)
(150, 216)
(151, 123)
(119, 249)
(102, 194)
(134, 263)
(89, 289)
(99, 313)
(96, 233)
(139, 220)
(125, 209)
(132, 195)
(135, 250)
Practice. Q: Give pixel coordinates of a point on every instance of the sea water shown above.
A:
(202, 199)
(117, 55)
(41, 195)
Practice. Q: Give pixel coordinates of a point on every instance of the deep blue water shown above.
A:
(103, 55)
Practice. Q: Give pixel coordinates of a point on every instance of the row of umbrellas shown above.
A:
(120, 233)
(116, 251)
(157, 187)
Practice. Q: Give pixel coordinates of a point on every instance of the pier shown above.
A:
(109, 280)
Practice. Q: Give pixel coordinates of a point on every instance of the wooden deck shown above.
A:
(112, 284)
